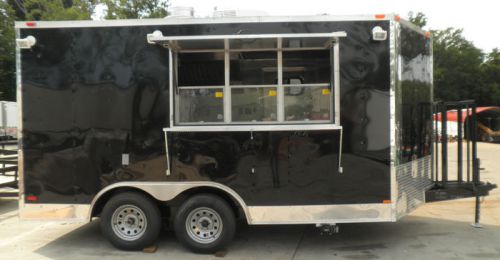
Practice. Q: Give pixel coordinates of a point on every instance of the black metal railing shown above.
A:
(466, 122)
(470, 185)
(9, 169)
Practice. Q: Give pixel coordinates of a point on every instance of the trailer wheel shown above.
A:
(131, 221)
(205, 223)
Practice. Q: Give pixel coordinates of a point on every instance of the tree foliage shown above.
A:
(418, 19)
(461, 70)
(130, 9)
(7, 52)
(53, 10)
(48, 10)
(490, 72)
(457, 66)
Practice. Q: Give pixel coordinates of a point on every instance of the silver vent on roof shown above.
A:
(224, 13)
(181, 12)
(238, 13)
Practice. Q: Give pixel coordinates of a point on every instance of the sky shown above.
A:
(479, 19)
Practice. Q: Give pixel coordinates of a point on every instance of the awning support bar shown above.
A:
(157, 36)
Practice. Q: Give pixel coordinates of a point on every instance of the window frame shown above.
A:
(172, 44)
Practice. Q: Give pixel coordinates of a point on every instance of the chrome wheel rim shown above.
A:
(204, 225)
(129, 222)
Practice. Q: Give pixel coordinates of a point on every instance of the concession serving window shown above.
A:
(264, 79)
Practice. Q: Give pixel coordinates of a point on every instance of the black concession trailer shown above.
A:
(198, 122)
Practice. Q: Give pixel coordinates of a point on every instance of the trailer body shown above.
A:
(101, 107)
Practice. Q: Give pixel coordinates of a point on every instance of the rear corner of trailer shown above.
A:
(411, 116)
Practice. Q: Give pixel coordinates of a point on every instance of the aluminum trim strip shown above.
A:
(154, 38)
(167, 154)
(320, 214)
(394, 143)
(209, 20)
(227, 102)
(253, 49)
(20, 124)
(413, 179)
(280, 101)
(166, 191)
(336, 87)
(171, 86)
(200, 87)
(248, 128)
(59, 212)
(341, 170)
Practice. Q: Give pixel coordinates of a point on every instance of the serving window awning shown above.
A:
(245, 41)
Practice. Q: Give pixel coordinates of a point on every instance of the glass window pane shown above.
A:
(252, 43)
(254, 68)
(201, 69)
(253, 104)
(201, 105)
(308, 66)
(307, 103)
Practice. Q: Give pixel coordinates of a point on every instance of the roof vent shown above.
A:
(181, 12)
(224, 13)
(238, 13)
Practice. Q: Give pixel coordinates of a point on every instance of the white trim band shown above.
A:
(157, 36)
(252, 128)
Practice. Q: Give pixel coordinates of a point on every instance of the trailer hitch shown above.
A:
(328, 229)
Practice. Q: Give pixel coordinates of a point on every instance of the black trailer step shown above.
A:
(455, 190)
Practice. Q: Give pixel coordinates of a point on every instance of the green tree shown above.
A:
(457, 66)
(7, 52)
(490, 72)
(54, 10)
(130, 9)
(460, 69)
(47, 10)
(418, 19)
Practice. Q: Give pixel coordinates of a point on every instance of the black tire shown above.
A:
(212, 204)
(128, 201)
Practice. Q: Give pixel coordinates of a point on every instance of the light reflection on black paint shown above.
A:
(91, 94)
